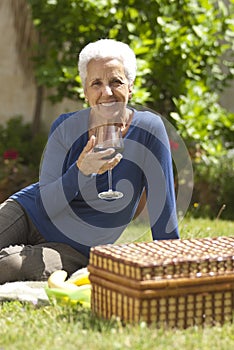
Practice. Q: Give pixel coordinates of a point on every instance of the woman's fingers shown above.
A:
(90, 162)
(82, 162)
(110, 164)
(89, 145)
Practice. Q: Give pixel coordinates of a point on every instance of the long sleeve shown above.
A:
(60, 180)
(160, 191)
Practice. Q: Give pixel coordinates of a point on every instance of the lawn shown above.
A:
(56, 327)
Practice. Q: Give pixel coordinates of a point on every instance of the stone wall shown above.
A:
(17, 88)
(17, 85)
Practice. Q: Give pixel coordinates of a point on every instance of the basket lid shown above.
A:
(167, 258)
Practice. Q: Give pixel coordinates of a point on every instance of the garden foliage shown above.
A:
(20, 156)
(184, 52)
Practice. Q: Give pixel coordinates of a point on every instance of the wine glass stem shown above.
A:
(110, 179)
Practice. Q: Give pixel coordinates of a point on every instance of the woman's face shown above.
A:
(107, 88)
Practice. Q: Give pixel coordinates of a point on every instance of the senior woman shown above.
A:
(52, 224)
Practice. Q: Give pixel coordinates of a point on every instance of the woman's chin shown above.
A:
(108, 114)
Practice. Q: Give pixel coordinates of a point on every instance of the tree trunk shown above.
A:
(36, 123)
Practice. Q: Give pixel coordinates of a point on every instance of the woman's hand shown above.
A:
(90, 162)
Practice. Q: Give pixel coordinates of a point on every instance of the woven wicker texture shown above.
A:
(177, 282)
(167, 259)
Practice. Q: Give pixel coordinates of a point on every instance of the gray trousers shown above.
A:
(25, 254)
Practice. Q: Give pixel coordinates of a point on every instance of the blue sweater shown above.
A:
(64, 204)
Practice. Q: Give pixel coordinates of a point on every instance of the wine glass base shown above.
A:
(110, 195)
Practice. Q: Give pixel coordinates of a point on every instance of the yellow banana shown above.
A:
(80, 277)
(57, 280)
(74, 290)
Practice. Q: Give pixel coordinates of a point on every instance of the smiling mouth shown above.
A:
(111, 111)
(108, 104)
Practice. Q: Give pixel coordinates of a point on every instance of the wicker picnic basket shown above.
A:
(177, 283)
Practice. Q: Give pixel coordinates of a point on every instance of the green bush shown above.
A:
(20, 155)
(16, 135)
(184, 53)
(214, 187)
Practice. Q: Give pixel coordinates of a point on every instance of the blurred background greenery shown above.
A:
(184, 52)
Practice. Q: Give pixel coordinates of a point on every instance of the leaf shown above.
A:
(180, 47)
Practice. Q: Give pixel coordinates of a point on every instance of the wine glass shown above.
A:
(109, 136)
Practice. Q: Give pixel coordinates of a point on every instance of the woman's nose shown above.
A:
(107, 90)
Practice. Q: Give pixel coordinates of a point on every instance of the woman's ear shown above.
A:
(130, 90)
(86, 98)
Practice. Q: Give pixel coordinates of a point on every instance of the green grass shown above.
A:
(56, 327)
(188, 227)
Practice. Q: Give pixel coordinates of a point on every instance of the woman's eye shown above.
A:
(116, 82)
(96, 83)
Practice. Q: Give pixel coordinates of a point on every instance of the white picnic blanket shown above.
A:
(30, 291)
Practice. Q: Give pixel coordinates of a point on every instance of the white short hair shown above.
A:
(108, 48)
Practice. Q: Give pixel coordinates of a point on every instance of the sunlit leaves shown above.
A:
(184, 52)
(202, 120)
